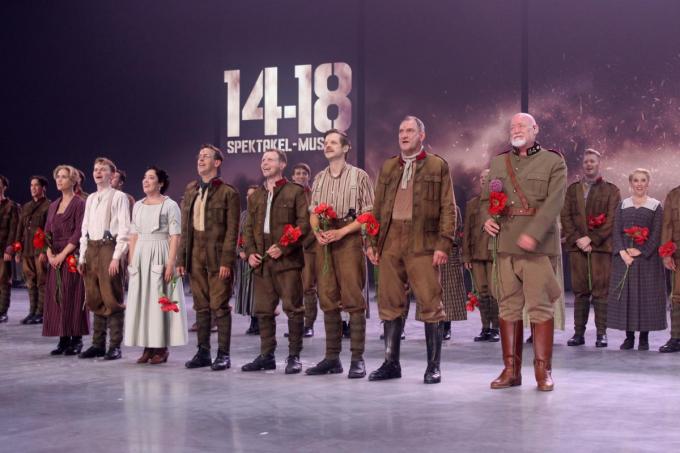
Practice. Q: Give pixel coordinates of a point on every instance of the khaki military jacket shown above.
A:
(542, 176)
(33, 216)
(434, 212)
(222, 211)
(289, 207)
(9, 222)
(670, 230)
(603, 198)
(475, 239)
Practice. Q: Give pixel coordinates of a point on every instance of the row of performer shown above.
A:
(294, 243)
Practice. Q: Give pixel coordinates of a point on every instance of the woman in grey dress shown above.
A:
(637, 303)
(154, 238)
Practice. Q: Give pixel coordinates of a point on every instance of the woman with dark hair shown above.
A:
(244, 297)
(154, 238)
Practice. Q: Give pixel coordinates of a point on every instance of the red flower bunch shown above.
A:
(40, 240)
(667, 249)
(325, 212)
(596, 221)
(290, 235)
(497, 202)
(72, 264)
(168, 305)
(472, 302)
(17, 247)
(369, 224)
(637, 234)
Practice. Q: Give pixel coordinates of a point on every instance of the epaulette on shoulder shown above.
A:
(556, 152)
(504, 152)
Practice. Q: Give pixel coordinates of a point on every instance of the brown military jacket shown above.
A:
(222, 210)
(9, 222)
(475, 239)
(542, 176)
(289, 207)
(434, 212)
(603, 198)
(670, 230)
(33, 216)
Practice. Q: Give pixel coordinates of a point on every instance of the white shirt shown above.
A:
(267, 216)
(94, 220)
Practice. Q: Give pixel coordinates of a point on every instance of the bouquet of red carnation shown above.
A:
(639, 236)
(596, 221)
(369, 224)
(168, 305)
(473, 297)
(290, 236)
(17, 247)
(325, 213)
(41, 240)
(666, 250)
(72, 263)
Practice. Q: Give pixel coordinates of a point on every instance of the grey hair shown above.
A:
(419, 122)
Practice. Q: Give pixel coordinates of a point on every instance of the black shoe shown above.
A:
(326, 366)
(61, 346)
(388, 370)
(37, 319)
(286, 335)
(483, 335)
(308, 332)
(261, 362)
(494, 336)
(92, 352)
(345, 329)
(27, 319)
(74, 347)
(530, 339)
(357, 369)
(576, 340)
(643, 344)
(672, 345)
(628, 343)
(293, 364)
(222, 362)
(601, 341)
(3, 317)
(403, 332)
(113, 353)
(200, 360)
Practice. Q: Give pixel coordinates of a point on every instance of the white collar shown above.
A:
(651, 203)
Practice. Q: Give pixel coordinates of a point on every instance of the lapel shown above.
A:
(212, 188)
(581, 205)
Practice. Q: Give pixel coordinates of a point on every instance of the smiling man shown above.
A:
(534, 180)
(415, 206)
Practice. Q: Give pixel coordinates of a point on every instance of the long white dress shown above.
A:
(145, 323)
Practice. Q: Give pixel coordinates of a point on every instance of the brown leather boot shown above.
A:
(512, 339)
(160, 356)
(146, 355)
(543, 347)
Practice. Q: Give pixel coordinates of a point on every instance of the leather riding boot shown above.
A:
(512, 333)
(433, 340)
(390, 369)
(543, 347)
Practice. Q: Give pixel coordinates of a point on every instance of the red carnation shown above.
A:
(163, 300)
(497, 202)
(369, 224)
(472, 302)
(39, 239)
(667, 249)
(17, 247)
(637, 234)
(325, 210)
(597, 221)
(290, 235)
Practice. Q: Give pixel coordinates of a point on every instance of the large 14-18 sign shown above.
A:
(322, 100)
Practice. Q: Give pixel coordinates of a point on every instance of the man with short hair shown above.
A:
(9, 221)
(207, 253)
(103, 242)
(415, 207)
(479, 261)
(277, 267)
(34, 262)
(340, 261)
(301, 175)
(587, 224)
(118, 181)
(534, 181)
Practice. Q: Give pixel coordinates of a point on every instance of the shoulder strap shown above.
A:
(515, 184)
(353, 187)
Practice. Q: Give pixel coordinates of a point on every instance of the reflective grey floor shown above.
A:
(605, 400)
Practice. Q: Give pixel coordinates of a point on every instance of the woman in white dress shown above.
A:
(154, 239)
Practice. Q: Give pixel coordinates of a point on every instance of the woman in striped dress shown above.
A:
(244, 296)
(65, 313)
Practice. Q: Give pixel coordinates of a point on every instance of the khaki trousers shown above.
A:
(35, 276)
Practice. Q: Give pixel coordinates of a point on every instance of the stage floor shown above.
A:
(604, 399)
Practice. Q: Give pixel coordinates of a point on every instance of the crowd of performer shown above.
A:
(294, 244)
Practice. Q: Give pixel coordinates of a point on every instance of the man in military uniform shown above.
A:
(478, 260)
(276, 267)
(34, 263)
(415, 206)
(301, 176)
(587, 225)
(671, 232)
(534, 180)
(340, 260)
(207, 253)
(9, 221)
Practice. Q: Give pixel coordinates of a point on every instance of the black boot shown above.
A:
(629, 342)
(672, 345)
(357, 369)
(28, 318)
(643, 344)
(483, 335)
(345, 330)
(37, 319)
(576, 340)
(447, 330)
(293, 364)
(493, 336)
(92, 352)
(61, 347)
(326, 366)
(390, 369)
(254, 328)
(261, 362)
(201, 359)
(222, 361)
(433, 340)
(75, 346)
(601, 341)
